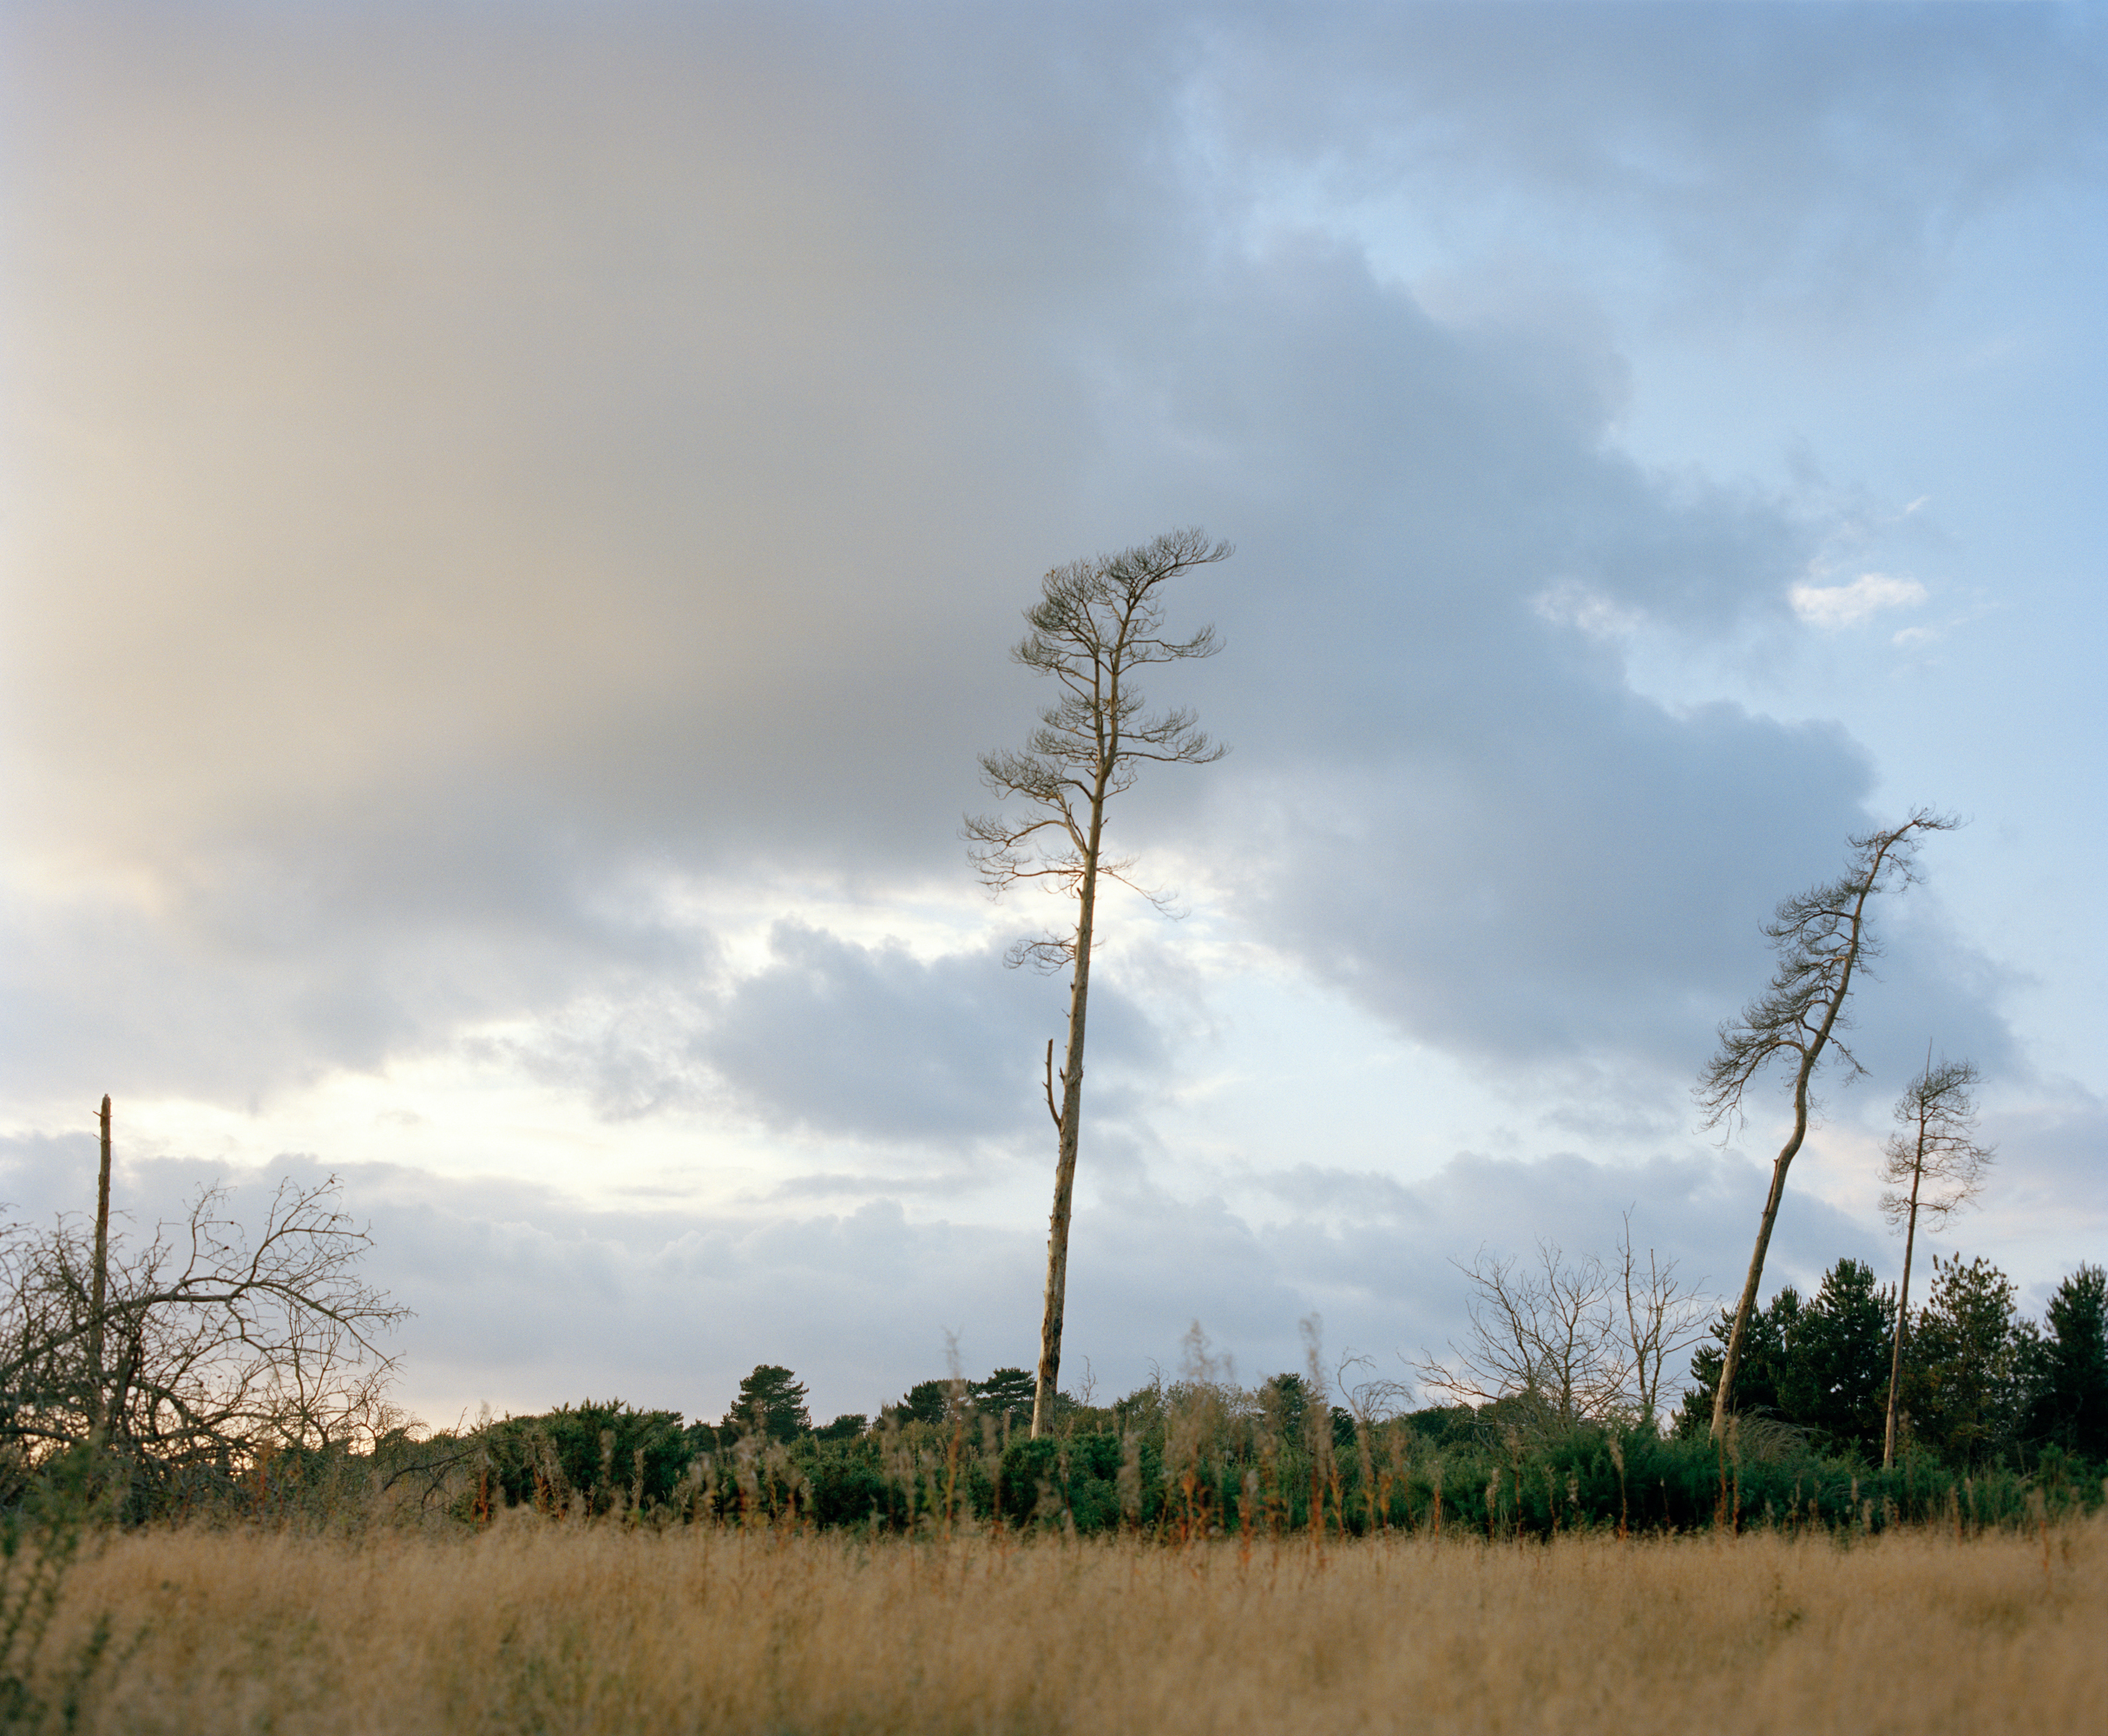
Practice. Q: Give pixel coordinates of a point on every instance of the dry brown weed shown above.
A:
(558, 1627)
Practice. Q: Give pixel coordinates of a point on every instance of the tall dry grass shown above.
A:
(572, 1628)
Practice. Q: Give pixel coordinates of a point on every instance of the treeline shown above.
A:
(1180, 1459)
(1187, 1459)
(1981, 1385)
(2007, 1423)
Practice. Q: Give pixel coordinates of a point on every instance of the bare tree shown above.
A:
(1541, 1333)
(1657, 1318)
(198, 1348)
(1933, 1166)
(1096, 623)
(1581, 1342)
(1821, 937)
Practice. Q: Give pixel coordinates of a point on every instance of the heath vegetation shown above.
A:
(585, 1624)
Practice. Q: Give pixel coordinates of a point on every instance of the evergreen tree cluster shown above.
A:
(1982, 1385)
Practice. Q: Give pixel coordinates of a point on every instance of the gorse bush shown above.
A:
(605, 1452)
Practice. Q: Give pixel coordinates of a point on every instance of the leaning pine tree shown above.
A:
(1096, 623)
(1821, 937)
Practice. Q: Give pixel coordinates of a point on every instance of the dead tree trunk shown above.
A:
(99, 1283)
(1068, 1123)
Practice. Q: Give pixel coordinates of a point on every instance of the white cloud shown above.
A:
(1586, 609)
(1834, 606)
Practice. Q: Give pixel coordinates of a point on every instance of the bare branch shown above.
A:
(1543, 1333)
(1573, 1342)
(1933, 1166)
(1933, 1163)
(1821, 936)
(215, 1345)
(1660, 1320)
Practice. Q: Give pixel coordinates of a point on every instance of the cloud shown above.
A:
(2047, 1197)
(516, 518)
(1567, 603)
(1812, 169)
(1925, 984)
(830, 1037)
(525, 1298)
(1836, 605)
(873, 1041)
(454, 600)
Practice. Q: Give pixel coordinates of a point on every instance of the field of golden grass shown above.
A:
(554, 1627)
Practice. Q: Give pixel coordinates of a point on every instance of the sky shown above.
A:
(513, 518)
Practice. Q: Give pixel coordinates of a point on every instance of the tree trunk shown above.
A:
(99, 1279)
(1902, 1311)
(1731, 1361)
(1065, 1161)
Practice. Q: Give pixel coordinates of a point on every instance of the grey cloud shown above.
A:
(2053, 1151)
(833, 1037)
(535, 471)
(639, 418)
(261, 967)
(523, 1300)
(1927, 986)
(486, 458)
(1599, 896)
(838, 1037)
(1450, 804)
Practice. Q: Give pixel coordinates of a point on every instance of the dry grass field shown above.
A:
(566, 1627)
